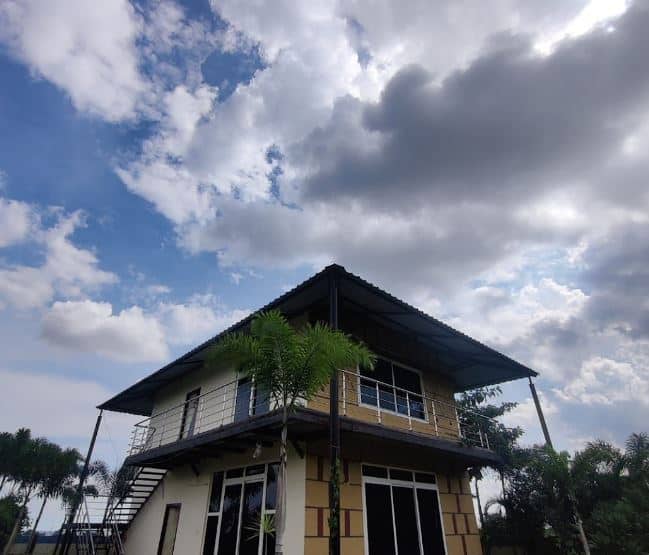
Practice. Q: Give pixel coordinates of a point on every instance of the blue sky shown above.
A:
(463, 158)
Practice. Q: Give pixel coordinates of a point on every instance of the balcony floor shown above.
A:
(304, 424)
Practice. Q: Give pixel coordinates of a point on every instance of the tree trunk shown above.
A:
(582, 534)
(280, 513)
(32, 540)
(477, 498)
(16, 527)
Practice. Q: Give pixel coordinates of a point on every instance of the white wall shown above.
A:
(182, 486)
(215, 408)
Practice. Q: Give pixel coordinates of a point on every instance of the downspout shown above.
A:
(334, 433)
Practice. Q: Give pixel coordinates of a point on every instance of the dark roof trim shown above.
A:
(145, 386)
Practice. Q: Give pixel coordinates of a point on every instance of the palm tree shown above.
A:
(61, 466)
(27, 475)
(290, 365)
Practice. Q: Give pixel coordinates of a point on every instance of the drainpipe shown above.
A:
(334, 434)
(67, 537)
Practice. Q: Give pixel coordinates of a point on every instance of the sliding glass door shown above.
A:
(402, 512)
(242, 505)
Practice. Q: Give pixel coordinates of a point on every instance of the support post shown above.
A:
(334, 434)
(573, 502)
(65, 545)
(539, 411)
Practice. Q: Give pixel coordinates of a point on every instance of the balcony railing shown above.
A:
(360, 397)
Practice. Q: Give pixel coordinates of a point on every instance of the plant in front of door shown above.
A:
(291, 365)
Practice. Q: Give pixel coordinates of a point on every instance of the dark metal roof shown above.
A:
(468, 363)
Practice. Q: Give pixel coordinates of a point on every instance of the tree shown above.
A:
(9, 511)
(31, 456)
(609, 488)
(60, 468)
(478, 416)
(14, 455)
(290, 365)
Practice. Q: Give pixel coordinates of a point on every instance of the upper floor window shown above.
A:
(250, 399)
(393, 388)
(190, 412)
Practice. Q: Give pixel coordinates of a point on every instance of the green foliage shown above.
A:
(290, 364)
(34, 467)
(609, 488)
(477, 412)
(9, 510)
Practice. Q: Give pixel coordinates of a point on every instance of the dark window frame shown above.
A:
(193, 394)
(241, 478)
(416, 399)
(165, 522)
(416, 485)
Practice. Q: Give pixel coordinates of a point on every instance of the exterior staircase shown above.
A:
(101, 521)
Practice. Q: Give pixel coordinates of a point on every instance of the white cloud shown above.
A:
(33, 399)
(67, 269)
(135, 334)
(88, 49)
(603, 381)
(16, 221)
(191, 323)
(129, 335)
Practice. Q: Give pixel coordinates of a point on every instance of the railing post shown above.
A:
(432, 406)
(344, 393)
(457, 419)
(199, 424)
(378, 402)
(162, 430)
(408, 405)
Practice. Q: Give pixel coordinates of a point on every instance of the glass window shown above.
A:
(402, 519)
(190, 410)
(271, 486)
(432, 535)
(376, 471)
(215, 493)
(238, 519)
(210, 534)
(251, 518)
(169, 530)
(394, 388)
(403, 475)
(378, 505)
(405, 516)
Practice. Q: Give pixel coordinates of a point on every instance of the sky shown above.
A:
(166, 168)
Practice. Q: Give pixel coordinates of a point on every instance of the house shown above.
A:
(205, 454)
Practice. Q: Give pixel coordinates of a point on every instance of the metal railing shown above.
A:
(360, 397)
(367, 399)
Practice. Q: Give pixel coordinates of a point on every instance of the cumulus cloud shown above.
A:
(86, 49)
(129, 335)
(16, 221)
(66, 269)
(101, 54)
(135, 334)
(602, 381)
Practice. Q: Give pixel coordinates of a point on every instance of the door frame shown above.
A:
(165, 522)
(242, 481)
(414, 485)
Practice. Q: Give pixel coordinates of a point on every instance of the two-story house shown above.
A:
(206, 452)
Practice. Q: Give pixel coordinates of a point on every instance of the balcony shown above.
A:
(238, 409)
